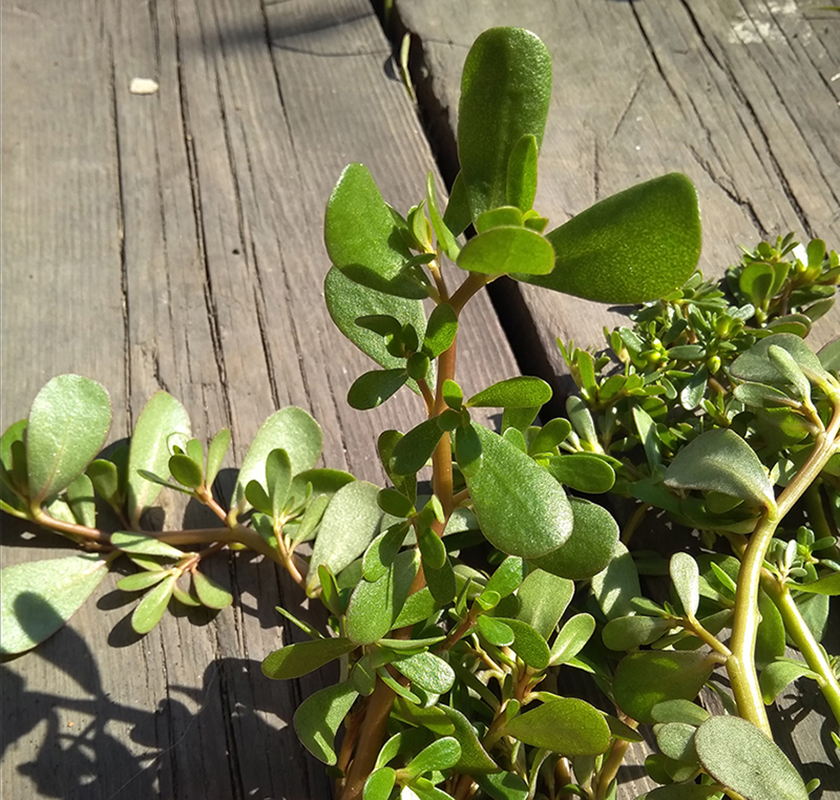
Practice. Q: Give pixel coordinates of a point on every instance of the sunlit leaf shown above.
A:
(318, 718)
(428, 671)
(294, 660)
(144, 544)
(38, 597)
(634, 246)
(153, 605)
(522, 173)
(210, 593)
(501, 251)
(522, 392)
(566, 725)
(68, 423)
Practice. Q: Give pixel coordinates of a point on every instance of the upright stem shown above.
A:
(741, 664)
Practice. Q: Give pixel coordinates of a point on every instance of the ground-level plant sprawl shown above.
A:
(457, 608)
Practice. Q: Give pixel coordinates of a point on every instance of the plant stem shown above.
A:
(741, 664)
(804, 640)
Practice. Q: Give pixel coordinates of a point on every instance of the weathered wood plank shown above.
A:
(198, 246)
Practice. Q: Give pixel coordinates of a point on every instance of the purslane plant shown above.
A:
(453, 606)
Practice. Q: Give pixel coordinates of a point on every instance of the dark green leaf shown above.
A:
(549, 436)
(756, 366)
(318, 717)
(680, 711)
(474, 758)
(589, 549)
(81, 500)
(543, 598)
(505, 92)
(758, 395)
(291, 429)
(583, 471)
(738, 755)
(775, 677)
(617, 584)
(523, 392)
(144, 544)
(445, 237)
(38, 597)
(566, 725)
(382, 551)
(635, 246)
(829, 356)
(395, 503)
(185, 471)
(495, 631)
(625, 633)
(644, 679)
(347, 528)
(210, 593)
(676, 740)
(432, 549)
(441, 330)
(294, 660)
(162, 423)
(428, 671)
(363, 239)
(522, 510)
(572, 638)
(529, 645)
(373, 388)
(439, 755)
(141, 580)
(692, 393)
(106, 480)
(348, 302)
(415, 448)
(257, 497)
(522, 173)
(720, 460)
(68, 422)
(151, 608)
(508, 576)
(323, 482)
(441, 581)
(278, 480)
(504, 786)
(375, 605)
(216, 455)
(468, 452)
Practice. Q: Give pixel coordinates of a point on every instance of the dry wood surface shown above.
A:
(174, 241)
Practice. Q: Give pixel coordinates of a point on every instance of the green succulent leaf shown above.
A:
(348, 526)
(590, 547)
(468, 452)
(505, 92)
(162, 423)
(495, 631)
(522, 510)
(617, 584)
(294, 660)
(566, 725)
(543, 599)
(583, 472)
(291, 429)
(685, 575)
(828, 585)
(625, 633)
(439, 755)
(572, 638)
(185, 470)
(644, 679)
(529, 645)
(775, 677)
(414, 449)
(68, 423)
(501, 217)
(445, 237)
(80, 498)
(375, 387)
(40, 596)
(504, 786)
(141, 580)
(501, 251)
(637, 245)
(216, 455)
(318, 718)
(379, 784)
(720, 460)
(522, 392)
(522, 173)
(209, 592)
(741, 757)
(680, 711)
(441, 330)
(756, 366)
(153, 605)
(363, 239)
(428, 671)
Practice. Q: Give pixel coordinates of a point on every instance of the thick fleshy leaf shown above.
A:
(829, 356)
(38, 597)
(617, 584)
(507, 577)
(529, 645)
(625, 633)
(505, 92)
(144, 544)
(153, 605)
(163, 422)
(185, 471)
(68, 423)
(80, 498)
(549, 436)
(829, 585)
(475, 760)
(741, 757)
(583, 472)
(522, 173)
(685, 576)
(445, 237)
(543, 599)
(522, 510)
(504, 216)
(382, 551)
(589, 549)
(756, 365)
(503, 786)
(775, 677)
(348, 301)
(644, 679)
(415, 448)
(375, 387)
(363, 239)
(141, 580)
(566, 725)
(439, 755)
(572, 638)
(348, 526)
(216, 455)
(495, 631)
(428, 671)
(375, 605)
(318, 718)
(278, 480)
(291, 429)
(682, 791)
(635, 246)
(295, 660)
(379, 784)
(468, 452)
(522, 392)
(441, 330)
(501, 251)
(720, 460)
(210, 593)
(680, 711)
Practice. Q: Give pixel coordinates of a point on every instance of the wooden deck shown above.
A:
(174, 241)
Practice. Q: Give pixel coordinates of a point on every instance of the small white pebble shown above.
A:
(835, 77)
(638, 147)
(143, 86)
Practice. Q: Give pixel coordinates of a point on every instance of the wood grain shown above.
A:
(174, 241)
